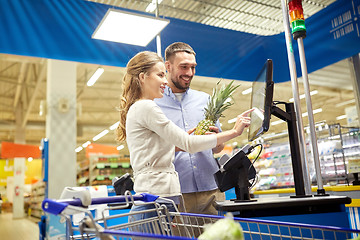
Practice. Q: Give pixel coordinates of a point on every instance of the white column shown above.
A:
(19, 167)
(61, 126)
(355, 74)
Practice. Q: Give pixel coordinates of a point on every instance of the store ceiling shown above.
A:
(20, 81)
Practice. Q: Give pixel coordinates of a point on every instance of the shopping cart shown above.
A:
(172, 225)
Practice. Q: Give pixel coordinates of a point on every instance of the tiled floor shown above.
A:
(18, 229)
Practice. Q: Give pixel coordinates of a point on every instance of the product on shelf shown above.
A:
(339, 155)
(36, 197)
(101, 169)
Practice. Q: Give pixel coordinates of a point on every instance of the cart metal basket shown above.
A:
(172, 225)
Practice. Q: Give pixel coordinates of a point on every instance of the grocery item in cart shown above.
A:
(223, 229)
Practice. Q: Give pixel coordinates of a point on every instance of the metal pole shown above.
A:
(294, 83)
(313, 139)
(158, 39)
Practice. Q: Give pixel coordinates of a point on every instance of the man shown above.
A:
(185, 107)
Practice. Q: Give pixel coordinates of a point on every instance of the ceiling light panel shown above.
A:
(257, 17)
(129, 28)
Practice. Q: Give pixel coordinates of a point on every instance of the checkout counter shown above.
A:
(334, 207)
(330, 208)
(338, 190)
(318, 210)
(327, 207)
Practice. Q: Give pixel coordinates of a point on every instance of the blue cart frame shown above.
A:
(173, 225)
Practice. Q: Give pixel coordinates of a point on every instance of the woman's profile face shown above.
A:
(154, 82)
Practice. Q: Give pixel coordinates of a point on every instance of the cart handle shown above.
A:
(56, 207)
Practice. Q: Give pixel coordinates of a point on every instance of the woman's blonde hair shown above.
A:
(140, 63)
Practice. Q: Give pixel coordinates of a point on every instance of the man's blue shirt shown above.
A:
(195, 170)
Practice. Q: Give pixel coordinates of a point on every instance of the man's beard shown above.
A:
(178, 86)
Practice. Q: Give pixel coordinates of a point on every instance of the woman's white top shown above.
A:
(151, 139)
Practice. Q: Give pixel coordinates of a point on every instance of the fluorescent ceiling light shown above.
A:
(303, 95)
(228, 100)
(345, 103)
(273, 135)
(130, 28)
(320, 123)
(95, 77)
(277, 122)
(259, 113)
(314, 112)
(100, 135)
(319, 110)
(247, 91)
(86, 144)
(78, 149)
(232, 120)
(120, 147)
(152, 6)
(340, 117)
(114, 126)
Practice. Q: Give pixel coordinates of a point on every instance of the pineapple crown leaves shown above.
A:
(219, 102)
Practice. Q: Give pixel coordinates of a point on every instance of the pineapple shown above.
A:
(217, 104)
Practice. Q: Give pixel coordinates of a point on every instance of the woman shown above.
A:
(150, 136)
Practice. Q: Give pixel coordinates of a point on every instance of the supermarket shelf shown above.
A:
(36, 197)
(101, 169)
(339, 154)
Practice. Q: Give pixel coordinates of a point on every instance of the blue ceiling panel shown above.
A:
(62, 29)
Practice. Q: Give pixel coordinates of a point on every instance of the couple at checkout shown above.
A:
(158, 113)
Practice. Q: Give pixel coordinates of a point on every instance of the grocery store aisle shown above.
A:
(18, 229)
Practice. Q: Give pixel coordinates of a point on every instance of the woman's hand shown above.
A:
(243, 120)
(215, 130)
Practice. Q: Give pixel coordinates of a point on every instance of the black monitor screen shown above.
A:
(261, 100)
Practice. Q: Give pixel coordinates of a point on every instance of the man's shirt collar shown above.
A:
(168, 91)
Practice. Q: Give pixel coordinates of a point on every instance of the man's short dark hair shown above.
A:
(177, 47)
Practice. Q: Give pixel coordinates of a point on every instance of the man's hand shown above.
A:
(213, 130)
(191, 130)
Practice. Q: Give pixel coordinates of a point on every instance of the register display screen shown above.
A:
(261, 100)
